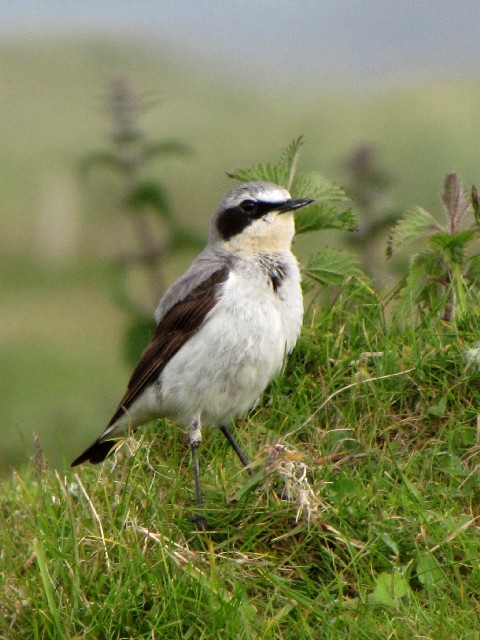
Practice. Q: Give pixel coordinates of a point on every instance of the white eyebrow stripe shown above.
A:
(273, 195)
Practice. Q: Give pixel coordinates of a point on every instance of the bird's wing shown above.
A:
(175, 327)
(205, 265)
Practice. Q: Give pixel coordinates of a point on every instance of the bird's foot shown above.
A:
(200, 522)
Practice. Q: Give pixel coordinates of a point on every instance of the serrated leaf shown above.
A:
(315, 185)
(280, 173)
(421, 269)
(390, 588)
(333, 267)
(149, 194)
(288, 160)
(452, 194)
(416, 222)
(430, 262)
(266, 172)
(166, 147)
(455, 200)
(317, 216)
(320, 216)
(457, 239)
(452, 245)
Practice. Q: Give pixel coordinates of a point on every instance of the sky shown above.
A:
(351, 42)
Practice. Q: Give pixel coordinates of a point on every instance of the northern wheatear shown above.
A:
(223, 329)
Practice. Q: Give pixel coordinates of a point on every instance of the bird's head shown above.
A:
(256, 217)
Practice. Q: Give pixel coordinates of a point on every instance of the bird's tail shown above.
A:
(97, 452)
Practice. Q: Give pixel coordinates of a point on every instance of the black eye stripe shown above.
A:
(234, 220)
(231, 222)
(263, 208)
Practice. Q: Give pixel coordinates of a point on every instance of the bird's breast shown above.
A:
(224, 368)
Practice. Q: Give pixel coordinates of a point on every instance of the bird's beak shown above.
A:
(291, 205)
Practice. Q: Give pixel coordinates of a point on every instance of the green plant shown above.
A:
(329, 266)
(382, 541)
(369, 187)
(371, 435)
(138, 197)
(443, 278)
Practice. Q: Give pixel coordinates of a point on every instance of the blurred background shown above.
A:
(118, 122)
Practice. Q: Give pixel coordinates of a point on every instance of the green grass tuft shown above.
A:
(360, 521)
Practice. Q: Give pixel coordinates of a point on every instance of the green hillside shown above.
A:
(62, 370)
(360, 519)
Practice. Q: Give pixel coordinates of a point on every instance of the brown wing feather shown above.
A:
(174, 329)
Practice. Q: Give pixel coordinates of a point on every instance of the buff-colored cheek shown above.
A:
(274, 233)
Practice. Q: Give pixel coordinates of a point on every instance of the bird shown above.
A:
(223, 329)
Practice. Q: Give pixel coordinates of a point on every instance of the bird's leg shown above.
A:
(195, 437)
(236, 448)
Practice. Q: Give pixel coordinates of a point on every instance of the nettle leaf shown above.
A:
(454, 199)
(452, 194)
(333, 267)
(421, 270)
(430, 263)
(288, 161)
(452, 245)
(321, 215)
(149, 194)
(266, 172)
(280, 173)
(315, 185)
(416, 222)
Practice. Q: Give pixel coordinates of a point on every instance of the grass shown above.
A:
(60, 351)
(361, 520)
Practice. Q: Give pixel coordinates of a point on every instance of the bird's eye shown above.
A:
(248, 206)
